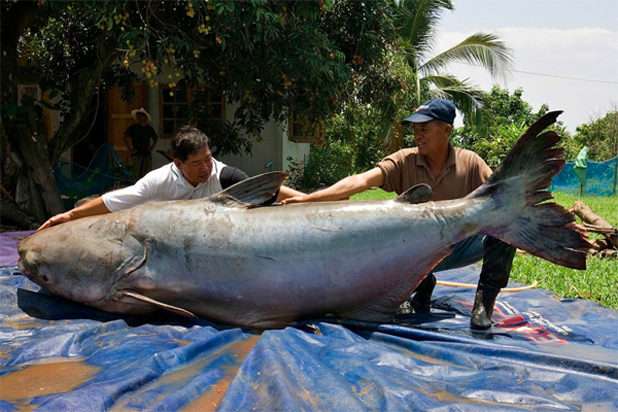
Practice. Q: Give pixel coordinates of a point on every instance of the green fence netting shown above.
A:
(104, 173)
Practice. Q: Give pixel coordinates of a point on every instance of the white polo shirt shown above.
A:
(164, 183)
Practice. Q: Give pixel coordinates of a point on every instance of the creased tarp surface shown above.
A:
(545, 354)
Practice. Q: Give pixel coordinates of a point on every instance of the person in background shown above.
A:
(452, 173)
(141, 139)
(193, 174)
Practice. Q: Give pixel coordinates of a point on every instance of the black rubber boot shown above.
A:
(422, 298)
(483, 306)
(497, 263)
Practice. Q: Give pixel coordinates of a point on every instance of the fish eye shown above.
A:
(44, 278)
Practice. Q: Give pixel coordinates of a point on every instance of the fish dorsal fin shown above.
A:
(156, 303)
(419, 193)
(251, 192)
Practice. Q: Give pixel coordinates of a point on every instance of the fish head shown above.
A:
(80, 260)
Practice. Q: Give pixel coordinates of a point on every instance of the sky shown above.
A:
(565, 51)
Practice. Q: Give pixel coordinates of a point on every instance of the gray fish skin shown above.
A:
(223, 259)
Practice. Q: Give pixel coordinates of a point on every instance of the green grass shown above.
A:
(374, 194)
(598, 283)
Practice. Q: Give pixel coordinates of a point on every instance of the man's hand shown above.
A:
(296, 199)
(55, 220)
(581, 229)
(577, 226)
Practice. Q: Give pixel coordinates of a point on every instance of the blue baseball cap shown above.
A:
(434, 109)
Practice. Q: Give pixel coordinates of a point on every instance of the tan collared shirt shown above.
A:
(463, 172)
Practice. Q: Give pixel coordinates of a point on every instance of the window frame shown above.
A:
(190, 90)
(304, 137)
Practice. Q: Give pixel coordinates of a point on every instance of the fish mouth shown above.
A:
(22, 270)
(25, 272)
(31, 273)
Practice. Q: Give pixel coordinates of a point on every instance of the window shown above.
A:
(176, 106)
(300, 131)
(174, 109)
(216, 104)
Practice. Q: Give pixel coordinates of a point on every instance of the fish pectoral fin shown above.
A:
(383, 311)
(142, 298)
(384, 308)
(419, 193)
(251, 192)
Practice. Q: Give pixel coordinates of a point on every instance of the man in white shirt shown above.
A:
(193, 174)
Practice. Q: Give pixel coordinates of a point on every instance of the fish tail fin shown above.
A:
(517, 189)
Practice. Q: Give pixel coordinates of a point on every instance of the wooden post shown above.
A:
(587, 215)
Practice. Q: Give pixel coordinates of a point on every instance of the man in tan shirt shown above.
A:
(452, 173)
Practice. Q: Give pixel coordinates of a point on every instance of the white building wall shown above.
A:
(265, 154)
(153, 106)
(296, 151)
(270, 153)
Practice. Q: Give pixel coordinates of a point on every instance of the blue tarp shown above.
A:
(544, 354)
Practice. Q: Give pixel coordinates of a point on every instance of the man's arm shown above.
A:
(94, 207)
(128, 141)
(155, 140)
(344, 188)
(287, 192)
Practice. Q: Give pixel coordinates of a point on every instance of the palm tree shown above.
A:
(416, 22)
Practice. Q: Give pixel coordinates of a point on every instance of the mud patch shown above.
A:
(212, 399)
(42, 379)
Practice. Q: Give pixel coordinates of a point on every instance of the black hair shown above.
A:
(188, 140)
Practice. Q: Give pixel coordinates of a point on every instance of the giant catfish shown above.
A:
(225, 259)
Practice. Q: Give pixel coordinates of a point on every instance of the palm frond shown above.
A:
(466, 96)
(480, 49)
(416, 23)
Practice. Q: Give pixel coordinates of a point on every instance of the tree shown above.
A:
(503, 119)
(269, 57)
(500, 108)
(601, 137)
